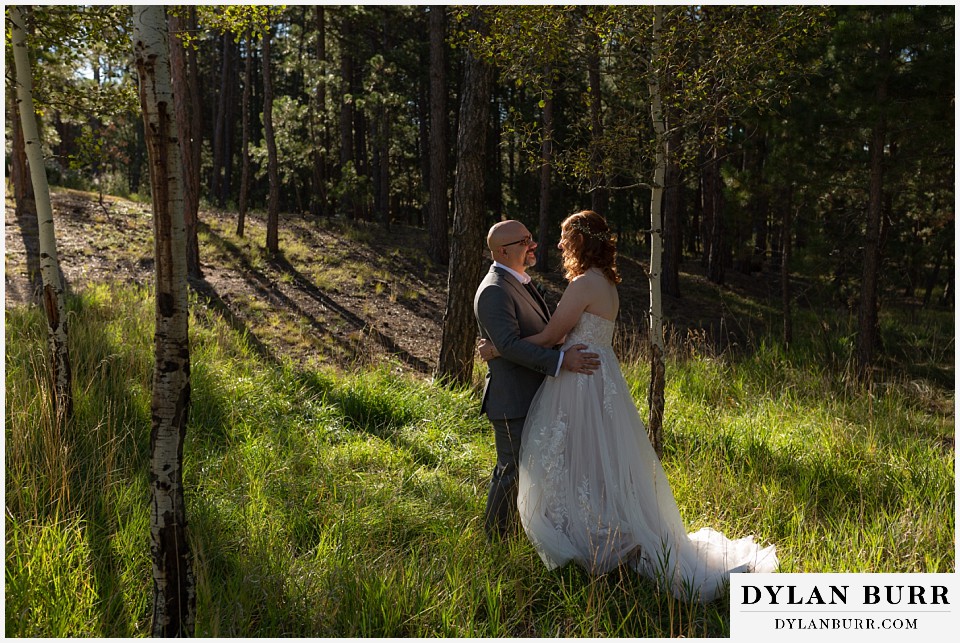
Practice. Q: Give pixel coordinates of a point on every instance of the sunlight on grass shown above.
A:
(52, 590)
(326, 503)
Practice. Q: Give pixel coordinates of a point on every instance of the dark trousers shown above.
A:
(501, 511)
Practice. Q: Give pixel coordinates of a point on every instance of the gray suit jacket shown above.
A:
(506, 312)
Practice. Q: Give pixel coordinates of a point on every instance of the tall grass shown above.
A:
(348, 504)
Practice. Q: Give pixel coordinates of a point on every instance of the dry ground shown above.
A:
(338, 294)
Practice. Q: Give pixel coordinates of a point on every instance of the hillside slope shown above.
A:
(344, 294)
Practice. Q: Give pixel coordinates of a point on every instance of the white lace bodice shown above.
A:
(592, 330)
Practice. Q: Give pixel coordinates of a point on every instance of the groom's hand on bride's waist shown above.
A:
(577, 360)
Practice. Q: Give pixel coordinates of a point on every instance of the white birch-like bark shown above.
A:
(53, 289)
(657, 380)
(174, 584)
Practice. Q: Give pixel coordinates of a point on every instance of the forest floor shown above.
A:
(344, 294)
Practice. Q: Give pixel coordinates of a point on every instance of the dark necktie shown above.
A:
(537, 298)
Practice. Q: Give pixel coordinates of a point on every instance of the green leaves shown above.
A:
(238, 19)
(713, 62)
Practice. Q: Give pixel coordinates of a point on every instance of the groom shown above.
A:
(508, 308)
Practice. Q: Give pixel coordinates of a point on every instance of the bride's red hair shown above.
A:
(587, 243)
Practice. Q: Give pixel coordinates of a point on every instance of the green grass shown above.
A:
(324, 503)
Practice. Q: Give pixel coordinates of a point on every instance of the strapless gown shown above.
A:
(593, 491)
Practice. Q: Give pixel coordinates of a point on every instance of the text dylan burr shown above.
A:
(838, 595)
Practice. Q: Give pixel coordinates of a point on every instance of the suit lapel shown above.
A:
(524, 293)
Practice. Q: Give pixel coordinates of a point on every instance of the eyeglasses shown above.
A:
(527, 241)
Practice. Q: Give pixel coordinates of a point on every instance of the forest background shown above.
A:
(334, 219)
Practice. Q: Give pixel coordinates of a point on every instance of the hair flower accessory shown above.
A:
(585, 231)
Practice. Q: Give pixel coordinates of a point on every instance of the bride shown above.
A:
(591, 488)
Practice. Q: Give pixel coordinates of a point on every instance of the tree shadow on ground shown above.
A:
(210, 298)
(372, 413)
(385, 341)
(30, 234)
(273, 292)
(827, 492)
(411, 264)
(90, 483)
(26, 218)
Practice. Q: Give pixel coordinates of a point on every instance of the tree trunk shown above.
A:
(421, 188)
(512, 146)
(544, 232)
(53, 287)
(185, 132)
(219, 129)
(385, 177)
(382, 130)
(229, 125)
(196, 115)
(786, 238)
(868, 334)
(319, 199)
(273, 170)
(381, 165)
(455, 364)
(657, 368)
(439, 243)
(599, 194)
(695, 239)
(494, 137)
(947, 297)
(761, 203)
(362, 204)
(933, 276)
(348, 169)
(245, 119)
(174, 609)
(97, 160)
(714, 243)
(672, 245)
(26, 204)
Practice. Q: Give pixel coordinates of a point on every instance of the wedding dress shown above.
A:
(592, 489)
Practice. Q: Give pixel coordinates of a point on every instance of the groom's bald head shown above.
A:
(512, 245)
(505, 232)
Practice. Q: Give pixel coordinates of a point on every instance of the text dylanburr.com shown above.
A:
(844, 607)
